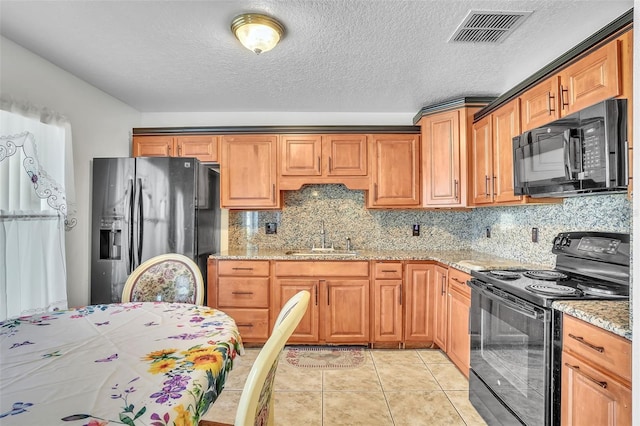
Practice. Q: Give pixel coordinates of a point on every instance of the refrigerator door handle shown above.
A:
(130, 230)
(140, 221)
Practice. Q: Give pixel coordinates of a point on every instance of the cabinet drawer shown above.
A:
(322, 269)
(388, 271)
(597, 346)
(458, 281)
(253, 324)
(243, 292)
(258, 268)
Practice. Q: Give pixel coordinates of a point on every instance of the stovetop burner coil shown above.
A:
(505, 275)
(551, 289)
(601, 289)
(545, 275)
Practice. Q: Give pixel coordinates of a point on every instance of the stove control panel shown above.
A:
(599, 245)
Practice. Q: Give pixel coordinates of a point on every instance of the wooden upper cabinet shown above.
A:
(441, 178)
(395, 175)
(481, 162)
(323, 155)
(587, 81)
(594, 78)
(345, 155)
(540, 104)
(153, 146)
(301, 155)
(492, 156)
(248, 172)
(506, 126)
(202, 147)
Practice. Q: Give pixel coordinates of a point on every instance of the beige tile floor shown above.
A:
(393, 387)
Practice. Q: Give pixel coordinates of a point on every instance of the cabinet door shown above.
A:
(440, 307)
(441, 159)
(308, 331)
(482, 161)
(419, 305)
(248, 172)
(506, 126)
(592, 79)
(387, 311)
(346, 155)
(153, 146)
(395, 162)
(590, 397)
(204, 148)
(346, 318)
(540, 104)
(300, 155)
(458, 332)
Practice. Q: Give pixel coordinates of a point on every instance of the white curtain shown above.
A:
(37, 205)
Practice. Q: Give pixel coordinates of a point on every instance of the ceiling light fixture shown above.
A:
(258, 33)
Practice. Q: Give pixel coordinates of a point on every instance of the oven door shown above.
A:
(511, 355)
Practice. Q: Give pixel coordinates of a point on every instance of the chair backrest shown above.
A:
(166, 278)
(256, 402)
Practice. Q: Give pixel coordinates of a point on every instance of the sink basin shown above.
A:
(326, 252)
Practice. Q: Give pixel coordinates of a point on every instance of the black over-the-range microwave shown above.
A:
(582, 153)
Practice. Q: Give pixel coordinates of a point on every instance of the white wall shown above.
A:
(101, 127)
(178, 119)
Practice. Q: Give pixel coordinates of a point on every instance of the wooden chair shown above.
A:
(166, 278)
(256, 401)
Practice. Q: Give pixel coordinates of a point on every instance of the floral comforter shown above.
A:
(133, 363)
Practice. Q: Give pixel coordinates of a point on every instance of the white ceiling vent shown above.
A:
(487, 26)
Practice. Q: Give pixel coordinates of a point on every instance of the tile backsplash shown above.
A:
(345, 216)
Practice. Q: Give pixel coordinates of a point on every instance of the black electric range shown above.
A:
(589, 266)
(515, 335)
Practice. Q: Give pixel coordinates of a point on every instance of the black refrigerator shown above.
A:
(146, 206)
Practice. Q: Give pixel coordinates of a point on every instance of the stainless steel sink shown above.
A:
(322, 252)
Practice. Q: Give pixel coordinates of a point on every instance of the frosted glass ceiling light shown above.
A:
(258, 33)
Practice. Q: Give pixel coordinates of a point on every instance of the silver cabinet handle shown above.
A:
(584, 342)
(486, 186)
(551, 106)
(603, 385)
(562, 92)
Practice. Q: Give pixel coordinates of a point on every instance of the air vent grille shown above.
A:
(481, 26)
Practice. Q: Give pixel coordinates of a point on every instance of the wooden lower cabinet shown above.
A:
(421, 288)
(339, 308)
(386, 317)
(241, 289)
(458, 304)
(308, 331)
(596, 376)
(440, 307)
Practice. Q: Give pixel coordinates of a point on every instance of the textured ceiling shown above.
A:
(336, 56)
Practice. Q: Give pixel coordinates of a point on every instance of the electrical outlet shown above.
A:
(416, 229)
(488, 232)
(270, 228)
(534, 235)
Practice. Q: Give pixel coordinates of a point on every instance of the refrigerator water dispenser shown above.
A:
(111, 237)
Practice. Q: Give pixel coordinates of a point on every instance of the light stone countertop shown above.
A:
(464, 260)
(610, 315)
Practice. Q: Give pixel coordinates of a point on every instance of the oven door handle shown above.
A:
(529, 312)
